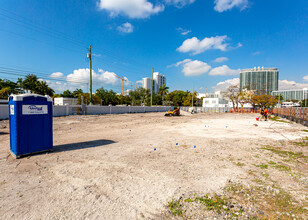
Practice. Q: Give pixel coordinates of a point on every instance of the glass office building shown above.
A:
(263, 80)
(288, 95)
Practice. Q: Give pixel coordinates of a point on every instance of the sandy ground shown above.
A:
(106, 167)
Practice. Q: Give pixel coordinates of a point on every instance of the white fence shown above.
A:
(59, 110)
(208, 110)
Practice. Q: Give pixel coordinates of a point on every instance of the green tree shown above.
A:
(266, 101)
(107, 97)
(30, 83)
(124, 100)
(7, 88)
(68, 94)
(188, 98)
(177, 97)
(77, 92)
(42, 88)
(163, 90)
(86, 99)
(141, 96)
(5, 92)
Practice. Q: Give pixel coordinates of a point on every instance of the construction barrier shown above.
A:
(298, 115)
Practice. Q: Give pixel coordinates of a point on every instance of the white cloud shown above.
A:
(179, 63)
(80, 75)
(195, 46)
(179, 3)
(60, 87)
(222, 86)
(256, 53)
(221, 59)
(57, 75)
(130, 8)
(96, 55)
(126, 28)
(183, 31)
(291, 85)
(106, 77)
(194, 67)
(224, 5)
(305, 78)
(238, 46)
(101, 78)
(224, 70)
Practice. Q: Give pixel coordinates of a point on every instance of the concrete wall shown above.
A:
(4, 111)
(59, 110)
(207, 110)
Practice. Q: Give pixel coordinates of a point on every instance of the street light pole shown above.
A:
(90, 59)
(152, 87)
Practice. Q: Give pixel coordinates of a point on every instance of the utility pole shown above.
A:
(192, 95)
(90, 59)
(152, 87)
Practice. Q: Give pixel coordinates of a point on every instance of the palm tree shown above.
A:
(43, 88)
(163, 90)
(30, 83)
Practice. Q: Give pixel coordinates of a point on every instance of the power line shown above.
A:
(27, 23)
(24, 22)
(71, 82)
(100, 60)
(12, 70)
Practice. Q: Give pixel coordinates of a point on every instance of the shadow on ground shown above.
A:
(82, 145)
(3, 133)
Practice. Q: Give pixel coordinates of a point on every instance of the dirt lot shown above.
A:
(147, 166)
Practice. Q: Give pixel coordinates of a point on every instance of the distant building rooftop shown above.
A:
(259, 69)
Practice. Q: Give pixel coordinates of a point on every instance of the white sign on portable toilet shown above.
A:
(34, 109)
(12, 109)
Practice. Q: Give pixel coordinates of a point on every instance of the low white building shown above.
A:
(290, 105)
(65, 101)
(201, 95)
(214, 100)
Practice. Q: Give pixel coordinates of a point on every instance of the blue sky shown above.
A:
(201, 41)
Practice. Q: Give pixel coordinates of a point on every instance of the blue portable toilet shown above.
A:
(30, 118)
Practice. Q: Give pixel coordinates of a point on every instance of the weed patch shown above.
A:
(262, 166)
(282, 153)
(239, 164)
(303, 142)
(276, 118)
(272, 204)
(282, 167)
(175, 207)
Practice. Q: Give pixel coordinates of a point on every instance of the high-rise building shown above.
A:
(160, 80)
(288, 95)
(146, 83)
(263, 80)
